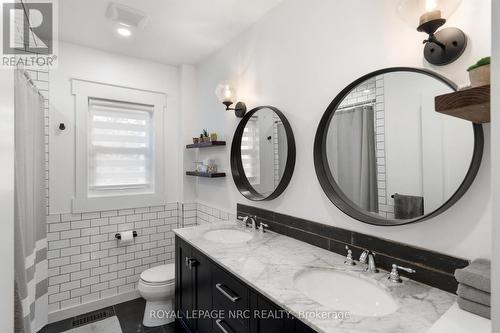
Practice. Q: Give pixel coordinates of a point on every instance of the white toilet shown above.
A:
(157, 287)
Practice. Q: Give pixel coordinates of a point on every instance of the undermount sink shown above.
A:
(228, 236)
(345, 292)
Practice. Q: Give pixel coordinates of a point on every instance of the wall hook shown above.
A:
(62, 127)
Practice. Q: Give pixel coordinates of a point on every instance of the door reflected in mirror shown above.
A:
(390, 154)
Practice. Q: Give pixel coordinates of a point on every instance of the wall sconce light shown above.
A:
(441, 47)
(226, 94)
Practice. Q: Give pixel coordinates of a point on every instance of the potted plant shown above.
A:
(479, 73)
(213, 136)
(196, 140)
(204, 136)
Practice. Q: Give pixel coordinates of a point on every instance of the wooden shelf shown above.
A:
(206, 174)
(472, 104)
(206, 144)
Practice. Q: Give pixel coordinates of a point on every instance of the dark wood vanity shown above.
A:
(202, 285)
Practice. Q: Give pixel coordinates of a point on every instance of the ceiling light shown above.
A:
(124, 31)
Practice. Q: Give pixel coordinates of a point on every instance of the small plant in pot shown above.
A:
(213, 136)
(204, 136)
(479, 73)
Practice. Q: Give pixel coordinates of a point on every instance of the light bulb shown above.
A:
(123, 30)
(430, 5)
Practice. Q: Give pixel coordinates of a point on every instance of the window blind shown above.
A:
(250, 152)
(121, 148)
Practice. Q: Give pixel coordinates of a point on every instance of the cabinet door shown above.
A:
(184, 293)
(203, 291)
(268, 318)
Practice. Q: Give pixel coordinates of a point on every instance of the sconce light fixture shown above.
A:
(226, 94)
(441, 47)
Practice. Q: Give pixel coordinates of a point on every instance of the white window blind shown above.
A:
(250, 152)
(121, 148)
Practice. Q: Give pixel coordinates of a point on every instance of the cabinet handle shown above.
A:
(219, 324)
(187, 262)
(192, 263)
(227, 293)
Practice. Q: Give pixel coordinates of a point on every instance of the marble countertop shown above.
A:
(269, 262)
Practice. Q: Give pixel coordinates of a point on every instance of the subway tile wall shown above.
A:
(87, 262)
(206, 214)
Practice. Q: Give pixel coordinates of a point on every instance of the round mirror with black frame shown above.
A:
(384, 156)
(263, 154)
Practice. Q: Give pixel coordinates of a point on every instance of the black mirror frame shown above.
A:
(335, 193)
(239, 177)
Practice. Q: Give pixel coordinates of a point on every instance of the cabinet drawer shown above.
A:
(231, 296)
(227, 290)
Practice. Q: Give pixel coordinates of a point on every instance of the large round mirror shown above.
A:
(384, 156)
(263, 154)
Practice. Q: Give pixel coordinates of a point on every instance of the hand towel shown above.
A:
(476, 275)
(473, 294)
(408, 206)
(475, 308)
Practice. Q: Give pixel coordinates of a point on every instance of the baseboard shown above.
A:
(92, 306)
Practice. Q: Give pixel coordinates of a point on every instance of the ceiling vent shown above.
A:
(125, 15)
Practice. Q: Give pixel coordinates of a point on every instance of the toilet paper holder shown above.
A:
(119, 236)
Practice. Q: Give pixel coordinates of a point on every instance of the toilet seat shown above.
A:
(159, 275)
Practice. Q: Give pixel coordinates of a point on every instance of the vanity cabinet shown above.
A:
(202, 286)
(193, 280)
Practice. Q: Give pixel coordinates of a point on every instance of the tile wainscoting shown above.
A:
(86, 261)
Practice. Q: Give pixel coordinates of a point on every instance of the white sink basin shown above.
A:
(343, 292)
(228, 236)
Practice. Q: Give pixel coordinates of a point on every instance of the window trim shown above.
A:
(82, 90)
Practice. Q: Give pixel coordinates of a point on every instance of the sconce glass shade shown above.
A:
(419, 12)
(225, 92)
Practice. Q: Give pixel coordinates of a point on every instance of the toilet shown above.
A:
(157, 287)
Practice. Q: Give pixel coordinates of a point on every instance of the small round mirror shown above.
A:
(384, 156)
(263, 154)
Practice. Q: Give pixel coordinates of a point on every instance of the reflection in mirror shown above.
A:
(264, 151)
(391, 154)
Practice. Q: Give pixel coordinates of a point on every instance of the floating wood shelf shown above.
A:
(206, 174)
(472, 104)
(206, 144)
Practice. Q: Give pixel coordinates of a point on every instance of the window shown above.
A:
(119, 153)
(121, 149)
(250, 152)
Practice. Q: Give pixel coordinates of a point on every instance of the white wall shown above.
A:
(89, 64)
(298, 58)
(495, 137)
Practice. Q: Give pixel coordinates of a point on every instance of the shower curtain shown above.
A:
(31, 269)
(352, 155)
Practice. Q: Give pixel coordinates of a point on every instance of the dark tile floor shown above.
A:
(129, 315)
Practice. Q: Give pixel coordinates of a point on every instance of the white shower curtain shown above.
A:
(31, 269)
(351, 155)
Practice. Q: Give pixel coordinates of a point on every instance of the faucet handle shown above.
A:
(394, 275)
(262, 227)
(349, 260)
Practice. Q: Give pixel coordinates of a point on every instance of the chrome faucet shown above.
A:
(370, 257)
(249, 220)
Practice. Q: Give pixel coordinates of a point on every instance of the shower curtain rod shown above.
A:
(350, 106)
